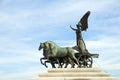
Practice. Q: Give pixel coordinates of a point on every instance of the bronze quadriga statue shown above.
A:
(62, 56)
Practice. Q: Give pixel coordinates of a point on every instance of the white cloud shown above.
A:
(17, 51)
(52, 15)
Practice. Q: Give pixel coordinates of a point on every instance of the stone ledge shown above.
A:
(91, 78)
(73, 70)
(76, 78)
(74, 74)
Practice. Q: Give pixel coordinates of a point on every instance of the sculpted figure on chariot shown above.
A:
(62, 56)
(81, 26)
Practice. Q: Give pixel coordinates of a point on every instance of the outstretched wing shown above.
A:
(83, 23)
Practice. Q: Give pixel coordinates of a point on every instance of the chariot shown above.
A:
(86, 60)
(59, 55)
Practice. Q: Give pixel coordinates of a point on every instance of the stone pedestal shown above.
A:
(75, 74)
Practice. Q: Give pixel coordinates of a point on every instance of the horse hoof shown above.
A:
(46, 66)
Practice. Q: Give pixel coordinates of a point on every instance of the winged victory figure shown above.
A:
(81, 26)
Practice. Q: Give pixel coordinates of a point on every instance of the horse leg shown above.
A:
(75, 60)
(53, 65)
(71, 62)
(50, 61)
(66, 64)
(45, 63)
(60, 66)
(66, 61)
(41, 60)
(61, 61)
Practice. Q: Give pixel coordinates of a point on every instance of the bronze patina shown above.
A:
(62, 56)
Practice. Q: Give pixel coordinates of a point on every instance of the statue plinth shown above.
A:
(75, 74)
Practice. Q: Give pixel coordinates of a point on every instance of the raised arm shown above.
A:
(73, 28)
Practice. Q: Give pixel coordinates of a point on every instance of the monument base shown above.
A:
(75, 74)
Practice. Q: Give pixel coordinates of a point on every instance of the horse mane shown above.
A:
(51, 43)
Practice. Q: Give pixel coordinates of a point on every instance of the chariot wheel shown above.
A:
(85, 61)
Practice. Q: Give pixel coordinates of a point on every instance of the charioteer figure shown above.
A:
(81, 26)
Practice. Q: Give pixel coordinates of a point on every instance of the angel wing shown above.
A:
(83, 23)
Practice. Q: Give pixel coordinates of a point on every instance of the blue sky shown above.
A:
(26, 23)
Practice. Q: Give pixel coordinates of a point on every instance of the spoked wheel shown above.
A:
(85, 61)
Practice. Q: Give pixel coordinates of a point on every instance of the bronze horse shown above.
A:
(56, 52)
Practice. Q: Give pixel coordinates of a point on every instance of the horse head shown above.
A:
(41, 46)
(44, 46)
